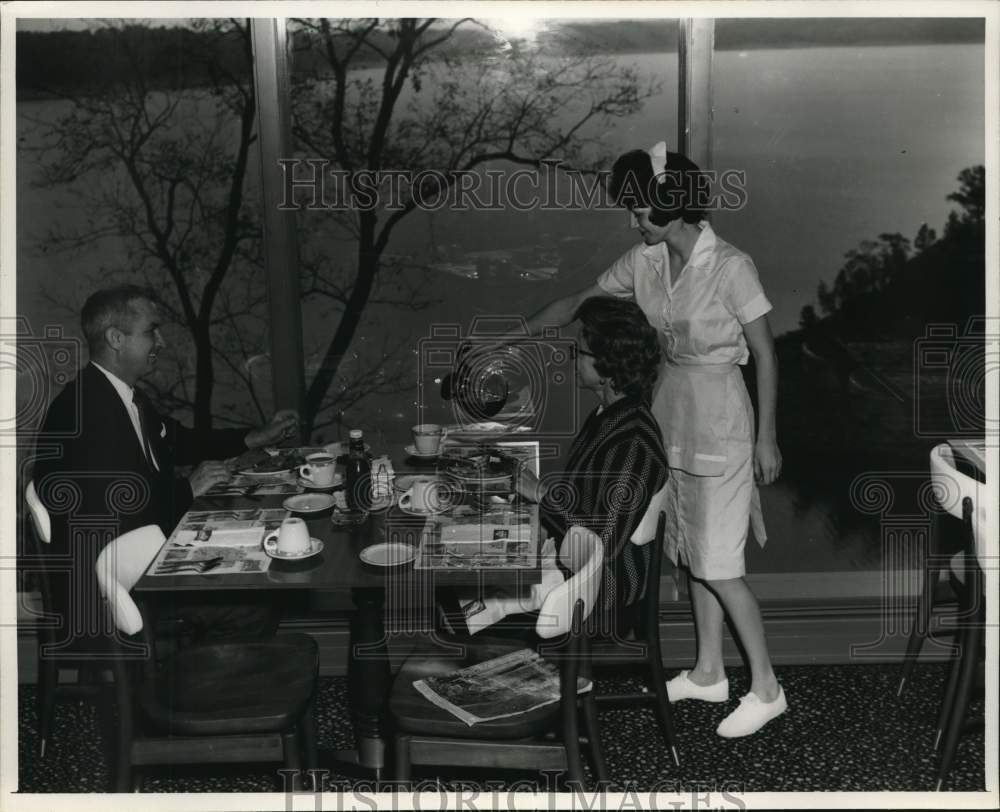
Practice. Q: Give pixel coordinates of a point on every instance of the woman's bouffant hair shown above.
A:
(625, 347)
(671, 195)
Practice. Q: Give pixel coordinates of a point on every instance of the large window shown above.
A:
(485, 99)
(864, 214)
(853, 153)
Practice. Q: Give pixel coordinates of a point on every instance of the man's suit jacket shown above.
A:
(93, 477)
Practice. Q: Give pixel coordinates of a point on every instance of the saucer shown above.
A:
(309, 502)
(411, 450)
(388, 554)
(405, 482)
(412, 511)
(312, 486)
(271, 548)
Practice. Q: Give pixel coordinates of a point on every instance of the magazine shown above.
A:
(232, 536)
(496, 689)
(503, 538)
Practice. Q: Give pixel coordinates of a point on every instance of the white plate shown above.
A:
(412, 451)
(271, 548)
(477, 479)
(309, 502)
(388, 555)
(265, 474)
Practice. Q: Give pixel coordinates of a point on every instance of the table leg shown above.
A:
(368, 682)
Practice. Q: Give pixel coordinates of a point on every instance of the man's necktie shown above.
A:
(147, 448)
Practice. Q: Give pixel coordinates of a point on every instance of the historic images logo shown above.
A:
(313, 184)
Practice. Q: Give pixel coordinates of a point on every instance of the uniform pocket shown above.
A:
(692, 410)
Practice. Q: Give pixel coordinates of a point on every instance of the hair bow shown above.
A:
(658, 155)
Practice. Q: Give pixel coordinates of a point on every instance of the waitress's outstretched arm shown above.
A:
(560, 312)
(767, 456)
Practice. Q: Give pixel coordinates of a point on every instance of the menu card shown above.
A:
(280, 484)
(233, 536)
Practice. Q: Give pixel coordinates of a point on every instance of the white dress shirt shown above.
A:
(127, 394)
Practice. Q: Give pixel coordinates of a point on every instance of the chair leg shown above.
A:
(589, 707)
(966, 668)
(664, 714)
(307, 728)
(950, 689)
(571, 743)
(307, 735)
(48, 678)
(124, 779)
(921, 624)
(292, 745)
(966, 612)
(402, 758)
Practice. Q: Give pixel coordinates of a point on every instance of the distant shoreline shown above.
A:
(26, 95)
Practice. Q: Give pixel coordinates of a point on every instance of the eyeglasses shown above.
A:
(575, 352)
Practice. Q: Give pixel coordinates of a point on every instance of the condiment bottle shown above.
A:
(358, 479)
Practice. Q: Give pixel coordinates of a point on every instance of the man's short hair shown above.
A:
(111, 307)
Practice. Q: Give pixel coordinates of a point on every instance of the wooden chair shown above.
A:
(208, 703)
(963, 498)
(89, 668)
(948, 542)
(644, 649)
(428, 735)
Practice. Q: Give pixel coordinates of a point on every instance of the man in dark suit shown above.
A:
(107, 460)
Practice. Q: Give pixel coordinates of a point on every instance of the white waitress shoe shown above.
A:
(752, 714)
(680, 687)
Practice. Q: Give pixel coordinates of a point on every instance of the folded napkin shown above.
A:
(483, 612)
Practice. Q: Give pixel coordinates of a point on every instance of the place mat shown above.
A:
(234, 536)
(281, 484)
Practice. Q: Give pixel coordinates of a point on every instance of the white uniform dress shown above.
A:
(700, 401)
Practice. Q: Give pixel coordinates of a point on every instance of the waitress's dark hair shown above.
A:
(671, 195)
(624, 345)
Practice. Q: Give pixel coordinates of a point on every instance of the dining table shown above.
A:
(401, 590)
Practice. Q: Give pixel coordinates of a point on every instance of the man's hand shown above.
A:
(283, 425)
(207, 475)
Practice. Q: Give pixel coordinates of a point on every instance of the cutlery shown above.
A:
(251, 492)
(189, 562)
(194, 566)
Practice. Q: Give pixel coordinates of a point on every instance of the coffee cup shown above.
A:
(425, 495)
(293, 537)
(320, 470)
(427, 438)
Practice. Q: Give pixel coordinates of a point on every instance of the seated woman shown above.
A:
(616, 462)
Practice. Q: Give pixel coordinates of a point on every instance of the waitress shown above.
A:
(705, 300)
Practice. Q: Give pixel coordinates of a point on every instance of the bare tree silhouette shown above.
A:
(168, 173)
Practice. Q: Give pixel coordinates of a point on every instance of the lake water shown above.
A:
(838, 146)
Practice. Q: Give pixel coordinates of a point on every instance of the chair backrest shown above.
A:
(646, 531)
(39, 515)
(582, 553)
(952, 487)
(119, 567)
